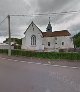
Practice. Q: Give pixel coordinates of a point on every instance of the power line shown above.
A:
(44, 14)
(54, 13)
(3, 20)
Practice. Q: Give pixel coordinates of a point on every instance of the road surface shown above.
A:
(22, 76)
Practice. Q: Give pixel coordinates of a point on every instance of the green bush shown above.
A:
(47, 55)
(4, 51)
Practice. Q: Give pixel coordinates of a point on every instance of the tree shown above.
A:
(76, 39)
(15, 40)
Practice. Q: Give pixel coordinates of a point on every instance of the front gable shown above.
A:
(33, 37)
(33, 27)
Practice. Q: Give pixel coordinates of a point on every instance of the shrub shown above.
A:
(47, 55)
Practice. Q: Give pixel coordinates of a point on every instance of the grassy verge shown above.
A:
(46, 55)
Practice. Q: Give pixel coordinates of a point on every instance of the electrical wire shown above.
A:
(44, 14)
(3, 20)
(55, 13)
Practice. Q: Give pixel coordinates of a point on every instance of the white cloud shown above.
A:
(69, 24)
(29, 7)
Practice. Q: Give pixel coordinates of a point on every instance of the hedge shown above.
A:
(47, 55)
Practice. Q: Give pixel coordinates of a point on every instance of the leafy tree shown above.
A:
(16, 40)
(76, 39)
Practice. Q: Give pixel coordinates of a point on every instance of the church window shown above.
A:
(62, 43)
(33, 40)
(48, 43)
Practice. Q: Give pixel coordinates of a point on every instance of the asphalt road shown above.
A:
(22, 76)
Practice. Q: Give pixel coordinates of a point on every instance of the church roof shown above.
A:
(56, 33)
(51, 34)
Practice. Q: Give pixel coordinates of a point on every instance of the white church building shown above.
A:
(36, 40)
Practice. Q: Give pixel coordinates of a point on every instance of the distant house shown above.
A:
(5, 46)
(36, 40)
(14, 42)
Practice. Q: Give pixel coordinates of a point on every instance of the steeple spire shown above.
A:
(49, 27)
(49, 20)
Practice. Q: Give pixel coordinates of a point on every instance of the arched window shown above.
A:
(33, 40)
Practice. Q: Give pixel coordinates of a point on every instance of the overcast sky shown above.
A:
(70, 22)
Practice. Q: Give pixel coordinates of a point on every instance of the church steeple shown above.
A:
(49, 27)
(49, 20)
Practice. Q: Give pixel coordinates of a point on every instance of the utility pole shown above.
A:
(9, 49)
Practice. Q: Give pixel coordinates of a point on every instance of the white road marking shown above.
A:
(56, 65)
(9, 59)
(64, 66)
(15, 60)
(38, 63)
(3, 58)
(45, 64)
(30, 62)
(22, 61)
(74, 67)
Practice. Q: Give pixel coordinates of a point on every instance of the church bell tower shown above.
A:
(49, 27)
